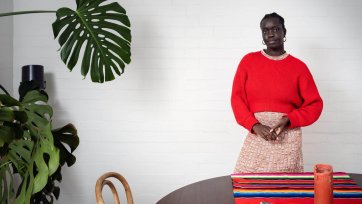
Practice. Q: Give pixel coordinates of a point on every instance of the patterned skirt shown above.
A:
(283, 155)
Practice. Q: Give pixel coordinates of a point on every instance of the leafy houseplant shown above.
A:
(102, 30)
(29, 148)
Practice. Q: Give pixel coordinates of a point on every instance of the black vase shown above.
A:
(32, 78)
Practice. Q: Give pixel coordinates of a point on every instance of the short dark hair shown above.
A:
(274, 15)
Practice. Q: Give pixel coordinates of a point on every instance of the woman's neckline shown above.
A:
(276, 58)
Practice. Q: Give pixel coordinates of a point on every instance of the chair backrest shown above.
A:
(102, 181)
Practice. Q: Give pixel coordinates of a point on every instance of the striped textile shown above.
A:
(297, 188)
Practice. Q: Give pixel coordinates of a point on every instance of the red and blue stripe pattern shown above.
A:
(290, 188)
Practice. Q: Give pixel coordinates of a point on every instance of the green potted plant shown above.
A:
(29, 148)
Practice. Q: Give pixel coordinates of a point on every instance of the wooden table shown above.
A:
(212, 191)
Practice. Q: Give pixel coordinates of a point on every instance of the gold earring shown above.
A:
(284, 39)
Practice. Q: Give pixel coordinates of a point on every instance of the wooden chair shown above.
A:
(102, 181)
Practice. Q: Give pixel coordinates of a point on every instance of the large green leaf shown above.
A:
(44, 157)
(102, 31)
(66, 135)
(8, 100)
(37, 110)
(35, 96)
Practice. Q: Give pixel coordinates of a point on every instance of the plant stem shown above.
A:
(5, 164)
(25, 12)
(7, 93)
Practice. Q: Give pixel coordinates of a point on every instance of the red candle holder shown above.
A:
(323, 184)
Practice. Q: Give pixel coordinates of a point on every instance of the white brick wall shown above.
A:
(6, 47)
(167, 121)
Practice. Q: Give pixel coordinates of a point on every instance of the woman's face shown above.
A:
(273, 33)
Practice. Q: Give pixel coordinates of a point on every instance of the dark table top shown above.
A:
(212, 191)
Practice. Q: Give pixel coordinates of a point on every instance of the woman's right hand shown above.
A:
(265, 132)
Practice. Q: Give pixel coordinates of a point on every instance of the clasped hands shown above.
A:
(271, 133)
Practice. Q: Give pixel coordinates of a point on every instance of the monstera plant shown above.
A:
(98, 28)
(31, 150)
(96, 36)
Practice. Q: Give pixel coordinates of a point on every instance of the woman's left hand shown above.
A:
(281, 125)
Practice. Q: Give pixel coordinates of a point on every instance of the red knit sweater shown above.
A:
(285, 86)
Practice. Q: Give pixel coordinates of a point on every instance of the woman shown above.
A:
(273, 95)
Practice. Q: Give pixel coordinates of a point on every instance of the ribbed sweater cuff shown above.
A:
(293, 120)
(250, 122)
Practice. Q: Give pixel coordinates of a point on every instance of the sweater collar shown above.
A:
(276, 58)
